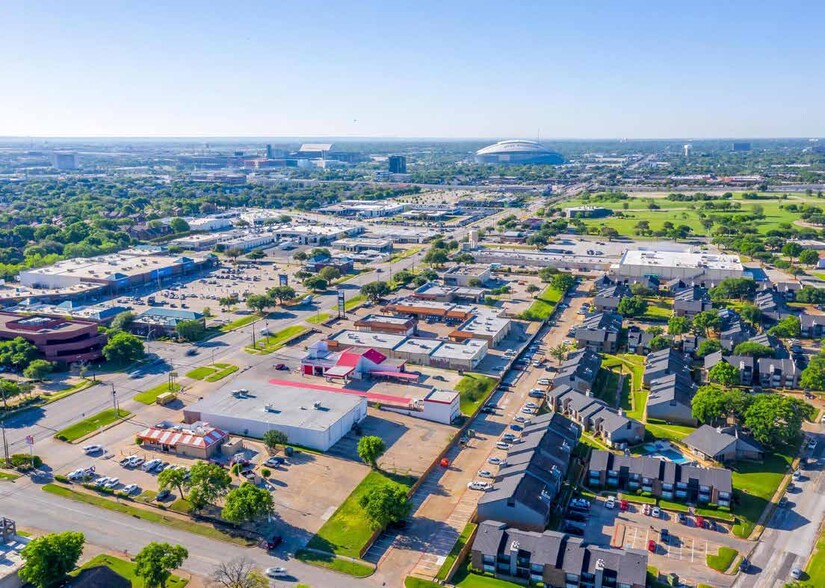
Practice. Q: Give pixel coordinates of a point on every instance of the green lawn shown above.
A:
(241, 322)
(658, 311)
(272, 343)
(453, 555)
(82, 385)
(212, 373)
(354, 302)
(721, 561)
(413, 582)
(661, 430)
(331, 562)
(606, 385)
(316, 319)
(127, 570)
(347, 531)
(91, 424)
(8, 476)
(816, 564)
(754, 486)
(634, 397)
(145, 514)
(464, 578)
(474, 389)
(149, 396)
(543, 306)
(405, 254)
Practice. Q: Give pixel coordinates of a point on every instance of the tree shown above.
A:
(375, 291)
(791, 250)
(207, 483)
(329, 273)
(632, 306)
(808, 257)
(707, 347)
(706, 320)
(436, 257)
(122, 320)
(273, 438)
(708, 404)
(48, 559)
(227, 301)
(813, 376)
(638, 289)
(247, 503)
(559, 352)
(563, 282)
(38, 369)
(157, 561)
(660, 342)
(239, 572)
(775, 420)
(752, 349)
(788, 327)
(17, 353)
(370, 448)
(281, 293)
(9, 389)
(678, 325)
(320, 253)
(173, 478)
(179, 225)
(466, 258)
(609, 232)
(532, 289)
(234, 253)
(475, 283)
(123, 348)
(751, 313)
(191, 330)
(385, 504)
(739, 288)
(811, 295)
(300, 256)
(546, 274)
(725, 374)
(258, 302)
(315, 283)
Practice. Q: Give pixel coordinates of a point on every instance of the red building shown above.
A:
(58, 339)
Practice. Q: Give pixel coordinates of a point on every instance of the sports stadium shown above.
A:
(519, 152)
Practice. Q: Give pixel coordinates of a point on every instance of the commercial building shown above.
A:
(525, 488)
(554, 559)
(209, 223)
(514, 257)
(157, 322)
(363, 244)
(404, 234)
(660, 478)
(365, 208)
(248, 241)
(705, 268)
(56, 338)
(487, 325)
(312, 416)
(518, 152)
(381, 323)
(587, 212)
(459, 356)
(466, 276)
(199, 241)
(437, 293)
(64, 160)
(397, 164)
(432, 310)
(440, 406)
(351, 363)
(115, 271)
(197, 440)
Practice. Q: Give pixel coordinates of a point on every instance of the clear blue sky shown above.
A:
(573, 69)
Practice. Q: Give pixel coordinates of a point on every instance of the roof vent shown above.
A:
(514, 546)
(316, 405)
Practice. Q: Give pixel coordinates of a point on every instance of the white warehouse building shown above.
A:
(710, 268)
(311, 415)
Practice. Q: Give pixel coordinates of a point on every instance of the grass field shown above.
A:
(354, 302)
(316, 319)
(9, 476)
(413, 582)
(634, 397)
(331, 562)
(145, 514)
(127, 570)
(68, 391)
(543, 306)
(347, 531)
(464, 578)
(815, 569)
(662, 430)
(453, 555)
(272, 343)
(722, 560)
(241, 322)
(91, 424)
(149, 396)
(212, 373)
(754, 486)
(606, 385)
(473, 389)
(405, 254)
(657, 311)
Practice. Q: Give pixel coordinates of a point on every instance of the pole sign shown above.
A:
(283, 280)
(341, 309)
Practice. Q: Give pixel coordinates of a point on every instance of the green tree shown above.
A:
(775, 420)
(375, 291)
(436, 257)
(632, 306)
(532, 289)
(559, 352)
(38, 369)
(282, 293)
(258, 302)
(9, 389)
(791, 250)
(208, 482)
(320, 253)
(123, 348)
(122, 320)
(191, 330)
(179, 225)
(47, 560)
(678, 325)
(706, 320)
(17, 353)
(546, 274)
(609, 232)
(660, 342)
(256, 254)
(751, 313)
(788, 327)
(707, 347)
(273, 438)
(739, 288)
(370, 448)
(385, 504)
(247, 503)
(563, 282)
(175, 478)
(329, 273)
(725, 374)
(808, 257)
(813, 376)
(709, 404)
(752, 349)
(157, 561)
(300, 256)
(315, 283)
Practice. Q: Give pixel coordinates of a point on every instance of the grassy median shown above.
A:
(543, 306)
(212, 373)
(127, 569)
(151, 395)
(91, 424)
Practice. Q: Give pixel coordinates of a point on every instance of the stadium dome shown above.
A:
(518, 151)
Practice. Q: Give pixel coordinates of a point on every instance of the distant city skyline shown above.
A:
(407, 70)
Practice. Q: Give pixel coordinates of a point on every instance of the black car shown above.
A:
(272, 542)
(163, 494)
(574, 530)
(577, 516)
(744, 565)
(682, 518)
(664, 535)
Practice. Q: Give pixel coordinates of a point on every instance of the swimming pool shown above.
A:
(667, 452)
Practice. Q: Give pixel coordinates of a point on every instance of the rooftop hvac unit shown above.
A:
(269, 408)
(316, 405)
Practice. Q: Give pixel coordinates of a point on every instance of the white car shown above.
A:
(610, 503)
(531, 405)
(544, 382)
(655, 512)
(503, 445)
(137, 460)
(485, 474)
(112, 483)
(100, 482)
(92, 448)
(796, 475)
(276, 572)
(527, 410)
(151, 464)
(521, 419)
(77, 474)
(496, 461)
(476, 485)
(131, 488)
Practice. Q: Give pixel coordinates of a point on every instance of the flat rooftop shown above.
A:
(279, 404)
(485, 324)
(109, 266)
(433, 305)
(681, 259)
(362, 339)
(384, 319)
(414, 345)
(469, 349)
(38, 325)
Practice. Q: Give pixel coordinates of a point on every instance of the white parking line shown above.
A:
(692, 544)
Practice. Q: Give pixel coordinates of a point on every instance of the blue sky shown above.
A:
(574, 69)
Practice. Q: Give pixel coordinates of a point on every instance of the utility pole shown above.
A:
(5, 443)
(114, 399)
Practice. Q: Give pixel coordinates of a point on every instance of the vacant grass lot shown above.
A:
(347, 531)
(332, 562)
(754, 486)
(127, 570)
(212, 373)
(657, 311)
(354, 302)
(241, 322)
(721, 561)
(473, 389)
(543, 306)
(319, 318)
(634, 397)
(272, 343)
(464, 578)
(662, 430)
(149, 396)
(91, 424)
(605, 387)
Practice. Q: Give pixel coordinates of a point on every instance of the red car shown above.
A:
(700, 522)
(651, 546)
(281, 367)
(623, 505)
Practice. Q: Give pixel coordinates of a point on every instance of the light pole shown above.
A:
(114, 399)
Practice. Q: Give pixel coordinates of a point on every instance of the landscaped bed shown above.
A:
(151, 395)
(212, 373)
(722, 561)
(272, 343)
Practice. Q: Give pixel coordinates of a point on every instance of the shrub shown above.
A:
(61, 478)
(265, 472)
(24, 462)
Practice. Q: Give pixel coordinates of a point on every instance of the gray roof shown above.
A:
(671, 388)
(811, 320)
(709, 440)
(582, 365)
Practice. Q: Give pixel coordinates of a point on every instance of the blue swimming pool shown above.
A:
(666, 452)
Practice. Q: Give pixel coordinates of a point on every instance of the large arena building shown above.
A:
(518, 152)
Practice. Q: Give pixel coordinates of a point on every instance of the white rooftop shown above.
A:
(469, 349)
(684, 259)
(362, 339)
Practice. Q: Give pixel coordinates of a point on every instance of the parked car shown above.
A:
(577, 516)
(610, 503)
(131, 489)
(496, 461)
(272, 542)
(536, 393)
(624, 505)
(544, 382)
(651, 546)
(89, 449)
(274, 462)
(700, 522)
(664, 535)
(503, 445)
(485, 473)
(277, 572)
(163, 494)
(744, 565)
(151, 464)
(476, 485)
(580, 503)
(655, 512)
(281, 367)
(796, 573)
(682, 518)
(112, 483)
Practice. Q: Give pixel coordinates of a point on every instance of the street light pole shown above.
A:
(114, 399)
